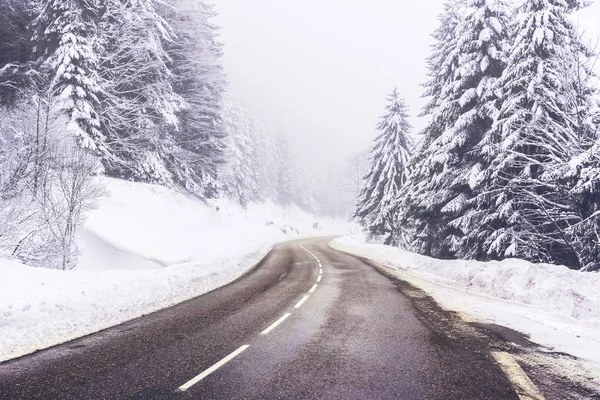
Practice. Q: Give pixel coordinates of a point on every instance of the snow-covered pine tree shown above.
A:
(584, 232)
(434, 207)
(387, 171)
(240, 175)
(441, 65)
(311, 186)
(578, 167)
(529, 206)
(337, 200)
(266, 159)
(140, 105)
(199, 79)
(16, 17)
(64, 36)
(287, 187)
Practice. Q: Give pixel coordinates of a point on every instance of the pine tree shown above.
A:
(16, 17)
(199, 79)
(240, 175)
(267, 159)
(64, 35)
(442, 65)
(140, 105)
(445, 173)
(387, 172)
(584, 232)
(287, 188)
(578, 167)
(528, 206)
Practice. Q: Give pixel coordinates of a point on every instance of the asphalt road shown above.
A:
(355, 337)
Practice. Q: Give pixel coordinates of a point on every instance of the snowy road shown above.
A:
(309, 322)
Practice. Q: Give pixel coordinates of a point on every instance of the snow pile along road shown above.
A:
(145, 248)
(556, 306)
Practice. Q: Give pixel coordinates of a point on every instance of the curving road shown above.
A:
(308, 323)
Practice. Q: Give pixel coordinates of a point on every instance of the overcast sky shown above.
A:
(321, 69)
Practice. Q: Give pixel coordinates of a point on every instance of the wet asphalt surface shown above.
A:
(356, 337)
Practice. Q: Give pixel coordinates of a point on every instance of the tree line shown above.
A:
(261, 167)
(130, 89)
(508, 164)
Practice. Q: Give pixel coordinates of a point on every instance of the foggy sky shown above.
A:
(321, 69)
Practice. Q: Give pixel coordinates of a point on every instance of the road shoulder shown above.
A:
(554, 375)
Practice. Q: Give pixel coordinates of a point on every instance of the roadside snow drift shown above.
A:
(145, 248)
(556, 306)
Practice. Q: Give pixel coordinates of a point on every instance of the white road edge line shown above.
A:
(212, 369)
(526, 390)
(301, 301)
(312, 289)
(319, 278)
(274, 325)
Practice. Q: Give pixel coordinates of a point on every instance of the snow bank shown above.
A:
(556, 306)
(145, 248)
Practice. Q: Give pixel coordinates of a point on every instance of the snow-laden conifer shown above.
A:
(528, 202)
(241, 173)
(467, 60)
(387, 171)
(140, 104)
(64, 40)
(199, 79)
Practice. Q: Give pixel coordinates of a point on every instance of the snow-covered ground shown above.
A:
(145, 248)
(559, 308)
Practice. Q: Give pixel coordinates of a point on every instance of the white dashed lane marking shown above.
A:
(302, 301)
(212, 369)
(275, 324)
(318, 264)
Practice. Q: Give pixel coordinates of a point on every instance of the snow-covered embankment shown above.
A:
(557, 307)
(145, 248)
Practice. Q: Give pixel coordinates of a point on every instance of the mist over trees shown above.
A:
(261, 167)
(508, 163)
(130, 89)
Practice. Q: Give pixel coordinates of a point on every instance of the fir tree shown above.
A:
(199, 79)
(140, 105)
(16, 17)
(387, 173)
(528, 205)
(445, 173)
(442, 65)
(576, 169)
(64, 35)
(287, 188)
(240, 175)
(267, 159)
(584, 232)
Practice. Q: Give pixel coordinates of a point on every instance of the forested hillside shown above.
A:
(130, 89)
(508, 164)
